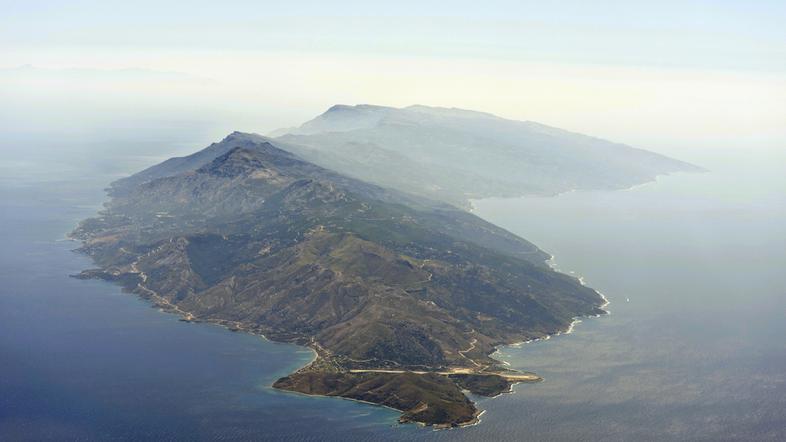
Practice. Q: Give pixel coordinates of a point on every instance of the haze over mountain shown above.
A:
(455, 155)
(402, 298)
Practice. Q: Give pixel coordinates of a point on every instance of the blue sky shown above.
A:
(697, 34)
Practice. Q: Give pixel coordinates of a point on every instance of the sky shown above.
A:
(667, 76)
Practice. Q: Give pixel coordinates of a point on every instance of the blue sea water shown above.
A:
(693, 349)
(79, 360)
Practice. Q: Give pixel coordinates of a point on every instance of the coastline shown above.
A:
(470, 202)
(164, 305)
(552, 263)
(436, 427)
(571, 327)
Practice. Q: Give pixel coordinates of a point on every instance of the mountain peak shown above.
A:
(338, 108)
(239, 160)
(451, 112)
(243, 136)
(255, 142)
(343, 118)
(356, 108)
(251, 152)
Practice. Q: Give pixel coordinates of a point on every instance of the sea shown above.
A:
(694, 347)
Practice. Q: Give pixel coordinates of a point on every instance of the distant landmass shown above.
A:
(403, 298)
(455, 155)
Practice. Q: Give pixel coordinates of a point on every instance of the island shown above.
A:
(402, 298)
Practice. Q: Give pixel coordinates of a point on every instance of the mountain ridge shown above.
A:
(455, 155)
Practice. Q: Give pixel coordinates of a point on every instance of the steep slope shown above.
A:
(458, 223)
(454, 155)
(392, 291)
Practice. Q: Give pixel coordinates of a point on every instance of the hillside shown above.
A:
(455, 155)
(395, 292)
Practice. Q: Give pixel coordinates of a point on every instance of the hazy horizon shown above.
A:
(672, 77)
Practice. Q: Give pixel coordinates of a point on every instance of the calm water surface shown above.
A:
(694, 347)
